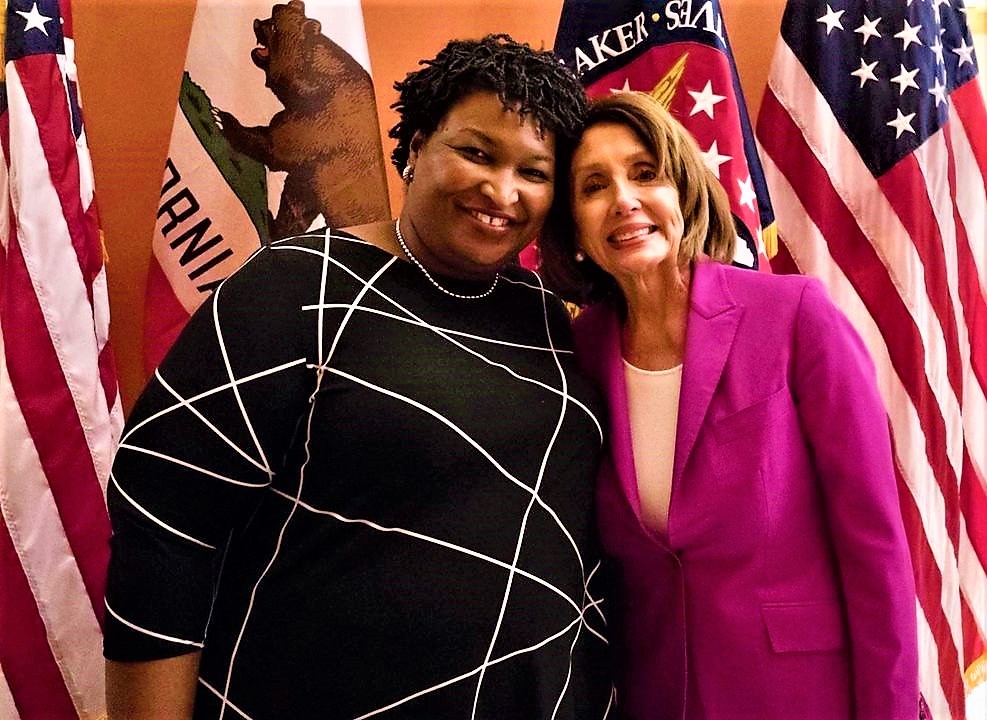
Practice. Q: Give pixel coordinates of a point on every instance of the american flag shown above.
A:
(874, 139)
(679, 52)
(60, 415)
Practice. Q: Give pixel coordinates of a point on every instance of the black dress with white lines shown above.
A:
(393, 487)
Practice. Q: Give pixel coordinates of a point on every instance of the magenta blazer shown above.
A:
(784, 589)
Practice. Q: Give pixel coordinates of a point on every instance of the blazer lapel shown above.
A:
(713, 320)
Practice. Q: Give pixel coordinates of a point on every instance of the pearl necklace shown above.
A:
(416, 261)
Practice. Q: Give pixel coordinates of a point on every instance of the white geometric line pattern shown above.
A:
(586, 595)
(459, 548)
(277, 547)
(539, 288)
(145, 631)
(613, 696)
(367, 405)
(227, 703)
(190, 466)
(235, 385)
(445, 331)
(212, 391)
(182, 402)
(442, 419)
(308, 438)
(568, 673)
(445, 334)
(320, 326)
(448, 335)
(524, 525)
(471, 673)
(157, 521)
(473, 443)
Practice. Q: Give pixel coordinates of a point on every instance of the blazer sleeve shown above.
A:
(846, 427)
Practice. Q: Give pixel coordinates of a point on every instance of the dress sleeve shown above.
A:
(202, 443)
(846, 426)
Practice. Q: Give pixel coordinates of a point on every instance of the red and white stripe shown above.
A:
(904, 256)
(59, 405)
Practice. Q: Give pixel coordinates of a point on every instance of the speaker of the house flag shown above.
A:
(276, 132)
(678, 52)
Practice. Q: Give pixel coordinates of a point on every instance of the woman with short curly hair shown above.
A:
(360, 485)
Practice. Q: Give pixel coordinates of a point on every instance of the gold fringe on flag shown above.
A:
(976, 674)
(769, 236)
(3, 40)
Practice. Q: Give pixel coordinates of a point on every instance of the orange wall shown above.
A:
(131, 54)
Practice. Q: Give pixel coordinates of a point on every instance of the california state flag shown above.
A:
(276, 132)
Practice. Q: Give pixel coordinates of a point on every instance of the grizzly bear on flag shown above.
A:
(326, 138)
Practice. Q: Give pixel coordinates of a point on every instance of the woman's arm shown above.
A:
(150, 690)
(201, 446)
(845, 423)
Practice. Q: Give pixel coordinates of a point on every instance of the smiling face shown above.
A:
(627, 213)
(483, 185)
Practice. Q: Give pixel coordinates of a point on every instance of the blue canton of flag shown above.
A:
(898, 60)
(45, 19)
(41, 15)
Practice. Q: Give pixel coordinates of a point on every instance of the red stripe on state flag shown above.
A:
(164, 317)
(31, 671)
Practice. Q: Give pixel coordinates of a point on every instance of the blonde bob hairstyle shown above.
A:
(709, 226)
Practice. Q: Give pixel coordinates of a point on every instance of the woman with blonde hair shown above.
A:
(748, 497)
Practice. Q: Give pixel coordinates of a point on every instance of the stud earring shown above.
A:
(408, 174)
(580, 256)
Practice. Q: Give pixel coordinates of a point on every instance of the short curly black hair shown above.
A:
(533, 81)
